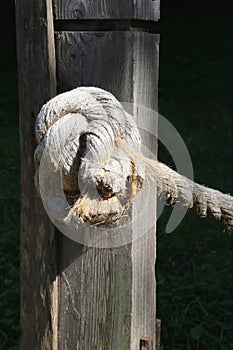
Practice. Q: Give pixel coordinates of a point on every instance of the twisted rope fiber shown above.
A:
(76, 134)
(102, 150)
(174, 188)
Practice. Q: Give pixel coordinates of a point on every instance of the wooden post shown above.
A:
(37, 83)
(106, 296)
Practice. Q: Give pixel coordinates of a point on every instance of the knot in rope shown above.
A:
(88, 139)
(76, 133)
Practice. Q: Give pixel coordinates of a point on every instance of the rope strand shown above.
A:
(87, 136)
(177, 188)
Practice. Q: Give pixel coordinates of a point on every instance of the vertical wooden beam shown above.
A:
(37, 83)
(145, 78)
(108, 296)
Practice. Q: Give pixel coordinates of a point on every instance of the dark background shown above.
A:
(194, 263)
(169, 9)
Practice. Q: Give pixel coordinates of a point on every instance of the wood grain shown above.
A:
(98, 281)
(107, 9)
(37, 83)
(107, 296)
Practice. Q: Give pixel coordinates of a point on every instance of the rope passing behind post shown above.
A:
(86, 137)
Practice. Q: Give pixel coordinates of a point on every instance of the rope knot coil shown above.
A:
(76, 133)
(92, 146)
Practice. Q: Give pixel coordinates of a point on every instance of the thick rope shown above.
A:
(174, 188)
(76, 134)
(87, 136)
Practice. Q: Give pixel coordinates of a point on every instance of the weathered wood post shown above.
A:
(75, 297)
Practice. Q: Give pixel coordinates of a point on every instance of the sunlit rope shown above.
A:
(87, 136)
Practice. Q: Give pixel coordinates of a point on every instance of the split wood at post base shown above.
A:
(113, 289)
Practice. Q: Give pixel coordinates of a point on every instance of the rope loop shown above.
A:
(92, 146)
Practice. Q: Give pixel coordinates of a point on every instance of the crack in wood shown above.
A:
(71, 294)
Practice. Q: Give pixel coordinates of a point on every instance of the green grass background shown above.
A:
(194, 263)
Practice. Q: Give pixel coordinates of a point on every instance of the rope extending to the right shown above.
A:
(87, 136)
(174, 188)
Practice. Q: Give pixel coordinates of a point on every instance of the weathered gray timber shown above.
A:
(107, 296)
(105, 9)
(119, 59)
(37, 83)
(77, 297)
